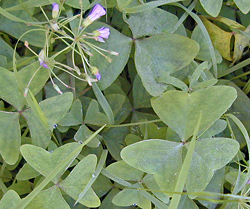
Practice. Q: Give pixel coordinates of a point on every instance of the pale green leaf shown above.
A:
(180, 110)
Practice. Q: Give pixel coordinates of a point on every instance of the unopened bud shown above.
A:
(94, 70)
(26, 43)
(54, 26)
(55, 10)
(77, 70)
(114, 53)
(25, 92)
(57, 88)
(109, 59)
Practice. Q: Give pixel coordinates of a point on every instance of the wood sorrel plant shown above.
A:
(160, 109)
(76, 41)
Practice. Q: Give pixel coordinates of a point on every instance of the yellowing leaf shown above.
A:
(220, 38)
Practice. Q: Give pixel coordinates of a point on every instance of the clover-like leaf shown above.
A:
(129, 197)
(54, 108)
(9, 90)
(9, 200)
(49, 198)
(116, 42)
(78, 179)
(10, 136)
(212, 7)
(181, 110)
(162, 54)
(159, 157)
(209, 155)
(45, 162)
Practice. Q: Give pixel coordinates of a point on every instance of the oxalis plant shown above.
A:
(124, 104)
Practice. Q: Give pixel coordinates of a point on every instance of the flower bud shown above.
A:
(95, 71)
(57, 88)
(114, 53)
(95, 14)
(26, 90)
(77, 70)
(98, 76)
(55, 10)
(54, 26)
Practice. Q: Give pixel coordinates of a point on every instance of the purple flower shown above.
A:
(101, 33)
(55, 7)
(55, 10)
(43, 63)
(95, 14)
(98, 76)
(41, 58)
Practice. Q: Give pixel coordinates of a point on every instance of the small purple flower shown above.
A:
(98, 76)
(43, 63)
(41, 58)
(95, 14)
(55, 7)
(55, 10)
(102, 33)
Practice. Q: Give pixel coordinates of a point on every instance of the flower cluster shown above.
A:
(78, 41)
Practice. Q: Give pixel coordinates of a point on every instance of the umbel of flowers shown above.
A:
(78, 41)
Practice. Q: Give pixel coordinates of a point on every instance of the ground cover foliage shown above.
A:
(124, 104)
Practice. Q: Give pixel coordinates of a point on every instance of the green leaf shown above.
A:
(152, 131)
(93, 116)
(6, 50)
(104, 103)
(152, 184)
(9, 200)
(83, 134)
(26, 172)
(180, 110)
(216, 128)
(241, 109)
(243, 5)
(43, 161)
(122, 5)
(204, 53)
(18, 21)
(39, 79)
(212, 7)
(129, 197)
(9, 90)
(125, 171)
(185, 203)
(74, 116)
(6, 175)
(152, 22)
(120, 106)
(54, 108)
(107, 202)
(215, 186)
(61, 167)
(77, 180)
(115, 146)
(159, 157)
(153, 61)
(75, 4)
(10, 136)
(21, 187)
(27, 4)
(141, 97)
(116, 42)
(209, 155)
(49, 198)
